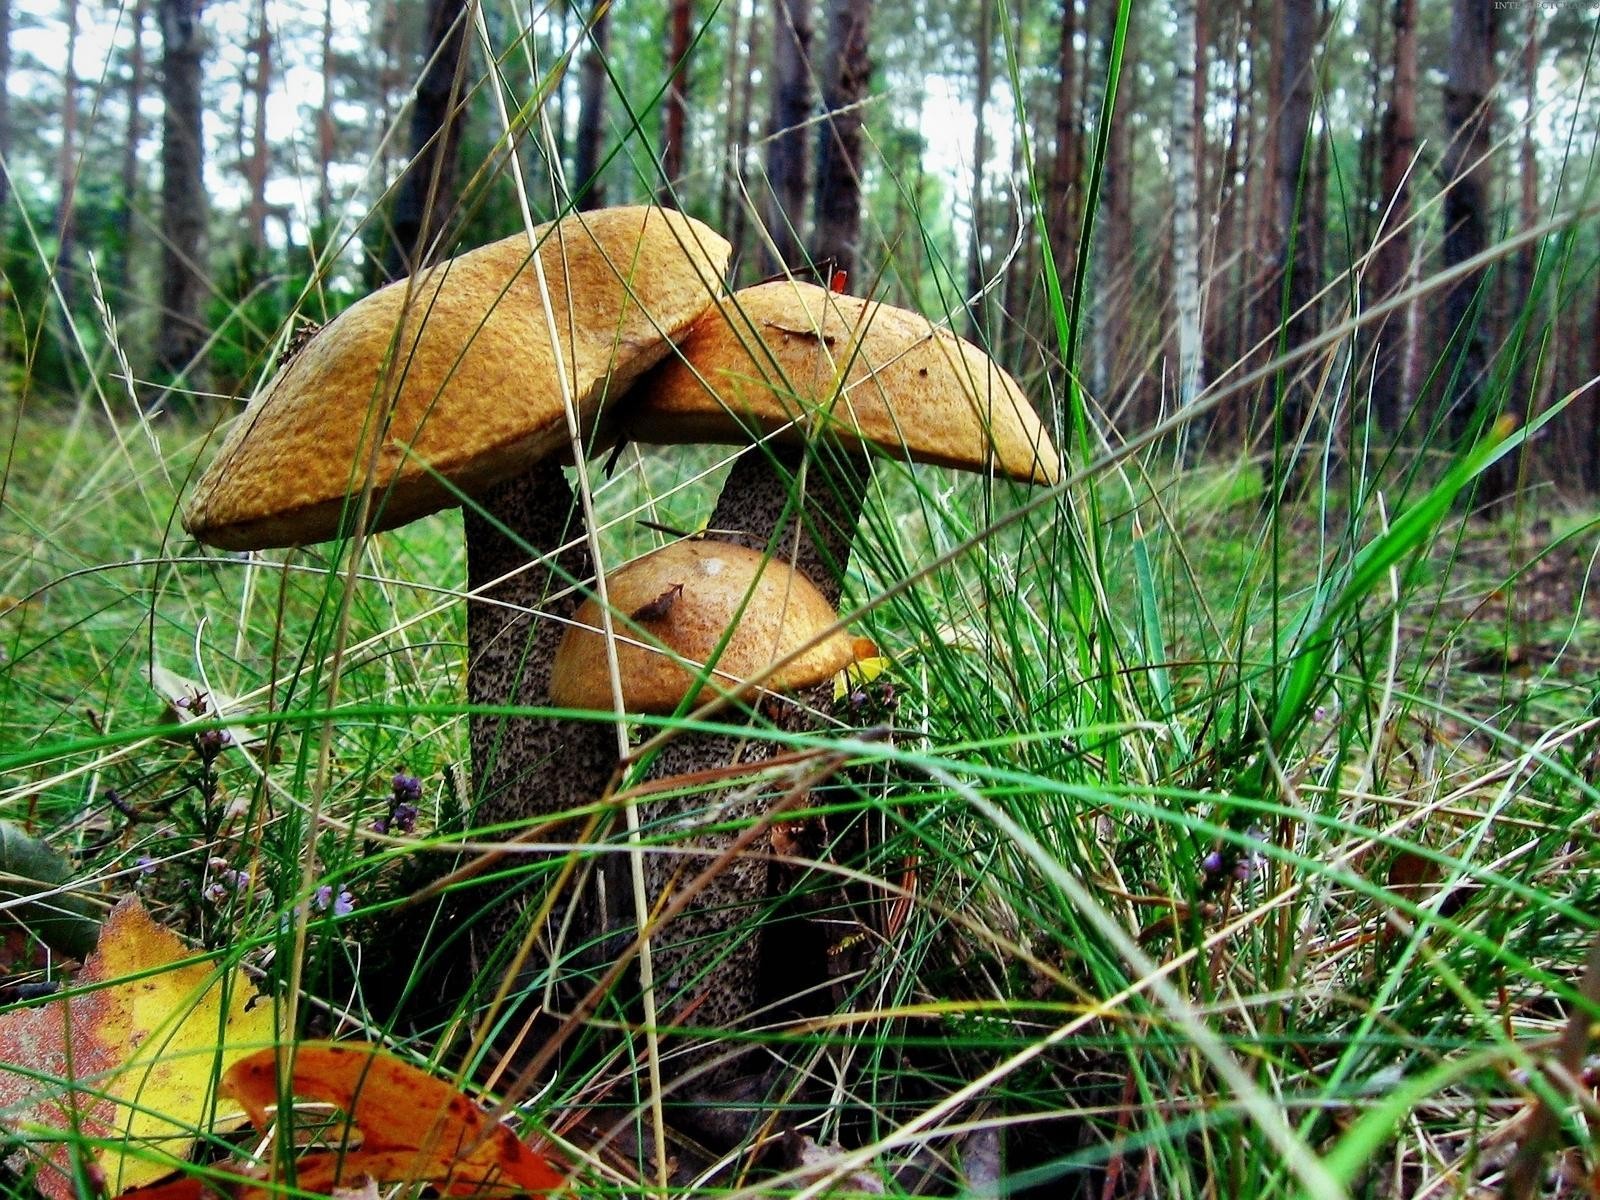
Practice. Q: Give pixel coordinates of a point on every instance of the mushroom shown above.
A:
(723, 615)
(802, 368)
(451, 386)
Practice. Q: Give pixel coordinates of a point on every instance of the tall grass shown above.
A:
(1192, 843)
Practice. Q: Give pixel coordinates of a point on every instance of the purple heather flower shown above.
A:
(342, 904)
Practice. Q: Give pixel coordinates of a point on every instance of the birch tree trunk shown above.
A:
(1185, 210)
(325, 130)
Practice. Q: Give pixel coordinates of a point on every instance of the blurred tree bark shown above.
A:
(674, 107)
(1298, 229)
(5, 101)
(592, 87)
(977, 269)
(257, 166)
(1392, 386)
(1061, 209)
(325, 129)
(846, 71)
(1464, 168)
(1114, 256)
(182, 329)
(1186, 206)
(787, 135)
(132, 138)
(737, 222)
(67, 163)
(427, 189)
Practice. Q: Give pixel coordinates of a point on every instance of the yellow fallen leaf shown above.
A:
(128, 1062)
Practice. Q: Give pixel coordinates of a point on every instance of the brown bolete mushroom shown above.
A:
(694, 620)
(460, 383)
(800, 367)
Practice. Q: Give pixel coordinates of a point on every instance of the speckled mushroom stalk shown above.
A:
(672, 610)
(451, 384)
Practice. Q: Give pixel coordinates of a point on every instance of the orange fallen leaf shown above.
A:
(122, 1069)
(414, 1128)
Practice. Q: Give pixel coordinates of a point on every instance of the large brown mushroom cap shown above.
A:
(792, 359)
(679, 602)
(468, 388)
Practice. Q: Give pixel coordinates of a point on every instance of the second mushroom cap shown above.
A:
(673, 607)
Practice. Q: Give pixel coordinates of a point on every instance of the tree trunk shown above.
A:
(1298, 235)
(1392, 264)
(787, 165)
(1185, 208)
(325, 131)
(256, 169)
(1465, 170)
(733, 133)
(738, 225)
(67, 164)
(1528, 256)
(427, 190)
(592, 88)
(977, 270)
(846, 72)
(1114, 264)
(1061, 211)
(674, 107)
(183, 191)
(133, 135)
(5, 99)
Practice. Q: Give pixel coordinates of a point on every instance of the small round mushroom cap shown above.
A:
(789, 358)
(673, 607)
(453, 373)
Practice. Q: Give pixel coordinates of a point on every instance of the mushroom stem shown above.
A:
(526, 768)
(755, 499)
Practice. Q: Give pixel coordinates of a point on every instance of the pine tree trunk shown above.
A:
(1299, 236)
(133, 135)
(427, 190)
(1114, 262)
(183, 191)
(787, 133)
(1465, 170)
(260, 148)
(1392, 263)
(674, 107)
(592, 87)
(1061, 212)
(846, 71)
(67, 164)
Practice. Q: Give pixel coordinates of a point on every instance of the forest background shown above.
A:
(1240, 789)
